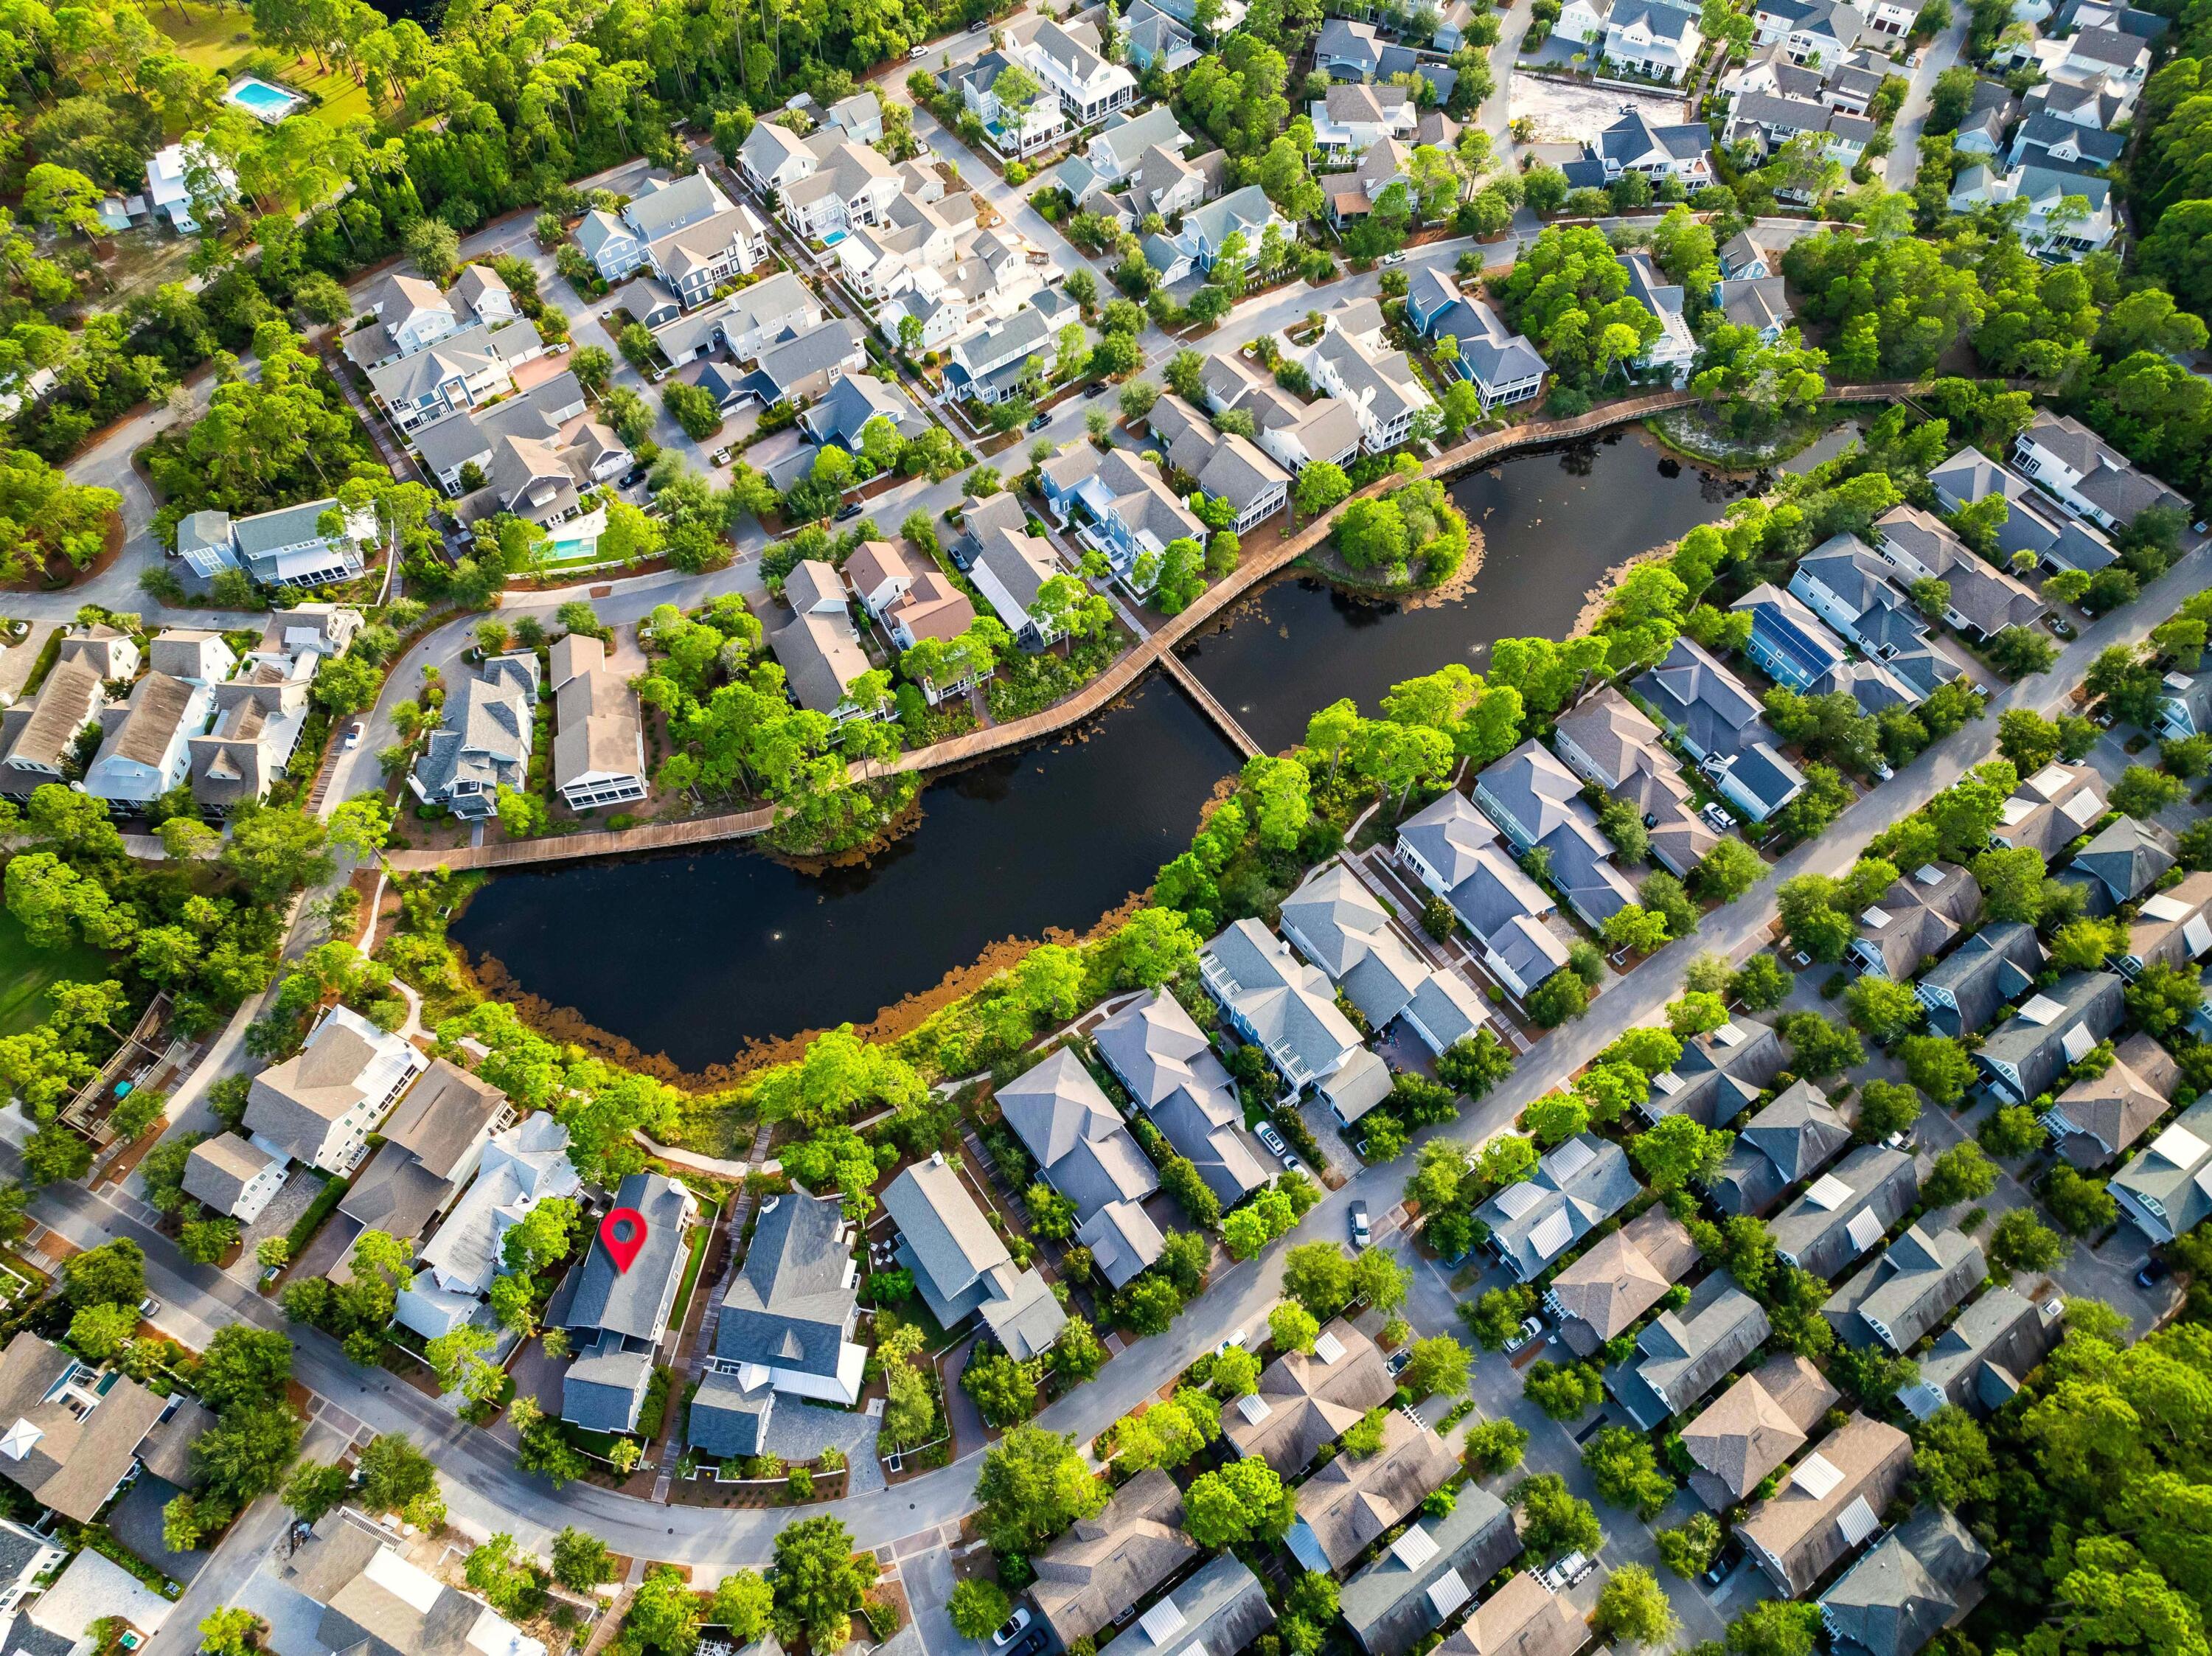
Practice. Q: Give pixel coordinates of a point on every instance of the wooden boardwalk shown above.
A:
(1156, 648)
(1210, 704)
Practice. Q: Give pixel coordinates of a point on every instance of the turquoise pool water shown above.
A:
(258, 97)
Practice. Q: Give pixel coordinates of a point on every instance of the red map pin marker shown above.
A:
(621, 1232)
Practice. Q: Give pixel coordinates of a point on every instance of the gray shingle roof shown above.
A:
(1102, 1567)
(789, 1307)
(1963, 991)
(725, 1418)
(1393, 1603)
(1792, 1138)
(1720, 1075)
(1079, 1140)
(1682, 1356)
(2029, 1052)
(1979, 1361)
(1169, 1068)
(1915, 1582)
(1848, 1210)
(1577, 1186)
(635, 1303)
(1917, 1281)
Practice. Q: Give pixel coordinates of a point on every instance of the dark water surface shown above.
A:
(694, 956)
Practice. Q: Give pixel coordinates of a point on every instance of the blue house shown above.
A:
(1788, 640)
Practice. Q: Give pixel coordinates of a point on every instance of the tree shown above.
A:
(1677, 1151)
(1563, 1392)
(313, 1488)
(1243, 1501)
(1292, 1327)
(2142, 792)
(1887, 1108)
(394, 1474)
(1005, 1390)
(1961, 1173)
(229, 1632)
(1633, 1607)
(819, 1580)
(1689, 1549)
(664, 1614)
(101, 1330)
(1729, 870)
(1033, 1485)
(2081, 1206)
(114, 1273)
(1493, 1446)
(1319, 1276)
(2022, 1242)
(1774, 1627)
(1380, 1280)
(1883, 1007)
(582, 1560)
(2011, 1132)
(1938, 1065)
(1553, 1521)
(978, 1607)
(1436, 1367)
(2163, 998)
(1625, 1470)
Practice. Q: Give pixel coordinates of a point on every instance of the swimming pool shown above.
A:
(258, 97)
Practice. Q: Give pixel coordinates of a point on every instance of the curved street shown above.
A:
(486, 1492)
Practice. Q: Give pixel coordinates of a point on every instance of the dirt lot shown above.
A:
(1564, 113)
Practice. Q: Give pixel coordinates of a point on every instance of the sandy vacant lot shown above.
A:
(1564, 114)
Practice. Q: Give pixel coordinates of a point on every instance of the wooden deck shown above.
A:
(1155, 648)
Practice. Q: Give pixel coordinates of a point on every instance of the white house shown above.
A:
(178, 175)
(1675, 350)
(2088, 475)
(520, 1167)
(1066, 60)
(1380, 385)
(319, 1106)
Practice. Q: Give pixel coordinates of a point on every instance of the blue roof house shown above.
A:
(1788, 640)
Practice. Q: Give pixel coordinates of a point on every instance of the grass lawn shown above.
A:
(25, 972)
(218, 39)
(700, 1233)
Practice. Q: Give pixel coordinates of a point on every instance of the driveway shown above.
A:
(1941, 53)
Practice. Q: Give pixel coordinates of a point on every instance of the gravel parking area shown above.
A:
(276, 1219)
(800, 1431)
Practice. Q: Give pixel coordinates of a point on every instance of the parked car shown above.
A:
(1359, 1224)
(1272, 1139)
(850, 509)
(632, 478)
(149, 1306)
(914, 52)
(1041, 422)
(2154, 1271)
(1010, 1629)
(1716, 819)
(1292, 1164)
(354, 733)
(1724, 1561)
(1531, 1329)
(1567, 1571)
(1236, 1340)
(1391, 261)
(1400, 1358)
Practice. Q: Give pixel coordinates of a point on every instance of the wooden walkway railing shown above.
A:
(1102, 692)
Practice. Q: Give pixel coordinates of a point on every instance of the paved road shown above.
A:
(487, 1492)
(1905, 132)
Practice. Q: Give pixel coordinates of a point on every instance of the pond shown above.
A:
(697, 956)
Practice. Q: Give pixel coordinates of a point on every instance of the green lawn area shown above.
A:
(25, 972)
(216, 37)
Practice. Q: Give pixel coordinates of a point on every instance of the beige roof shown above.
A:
(577, 652)
(1625, 1275)
(158, 704)
(1754, 1426)
(935, 608)
(1797, 1534)
(66, 703)
(1104, 1565)
(1349, 1503)
(73, 1459)
(1306, 1400)
(220, 1169)
(443, 1114)
(1522, 1618)
(596, 728)
(874, 563)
